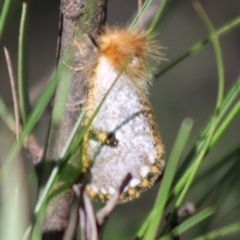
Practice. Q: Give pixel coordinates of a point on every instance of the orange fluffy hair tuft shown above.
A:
(118, 44)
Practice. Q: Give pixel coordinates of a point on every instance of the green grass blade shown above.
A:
(61, 95)
(190, 222)
(15, 209)
(6, 116)
(218, 195)
(150, 227)
(65, 72)
(73, 134)
(226, 187)
(212, 129)
(3, 15)
(213, 189)
(231, 97)
(221, 232)
(217, 51)
(31, 122)
(53, 177)
(157, 17)
(23, 89)
(223, 127)
(198, 46)
(197, 218)
(168, 11)
(234, 210)
(218, 165)
(187, 179)
(139, 15)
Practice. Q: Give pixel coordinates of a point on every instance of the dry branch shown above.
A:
(81, 21)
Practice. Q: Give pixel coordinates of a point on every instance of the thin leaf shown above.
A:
(221, 232)
(150, 227)
(223, 127)
(231, 97)
(190, 222)
(31, 122)
(61, 95)
(23, 66)
(197, 218)
(140, 13)
(218, 104)
(157, 17)
(218, 165)
(54, 174)
(7, 116)
(187, 179)
(3, 15)
(214, 190)
(198, 46)
(217, 51)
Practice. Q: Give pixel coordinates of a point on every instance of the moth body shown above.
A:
(123, 137)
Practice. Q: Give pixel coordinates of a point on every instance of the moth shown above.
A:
(123, 137)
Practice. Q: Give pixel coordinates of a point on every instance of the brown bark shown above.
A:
(81, 22)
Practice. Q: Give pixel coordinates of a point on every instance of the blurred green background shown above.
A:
(187, 90)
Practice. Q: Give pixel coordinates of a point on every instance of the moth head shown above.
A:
(128, 50)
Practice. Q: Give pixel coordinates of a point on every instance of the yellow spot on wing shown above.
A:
(144, 183)
(154, 169)
(132, 192)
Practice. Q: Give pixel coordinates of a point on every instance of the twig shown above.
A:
(104, 212)
(89, 223)
(82, 21)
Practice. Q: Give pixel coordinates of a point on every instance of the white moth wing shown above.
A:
(122, 113)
